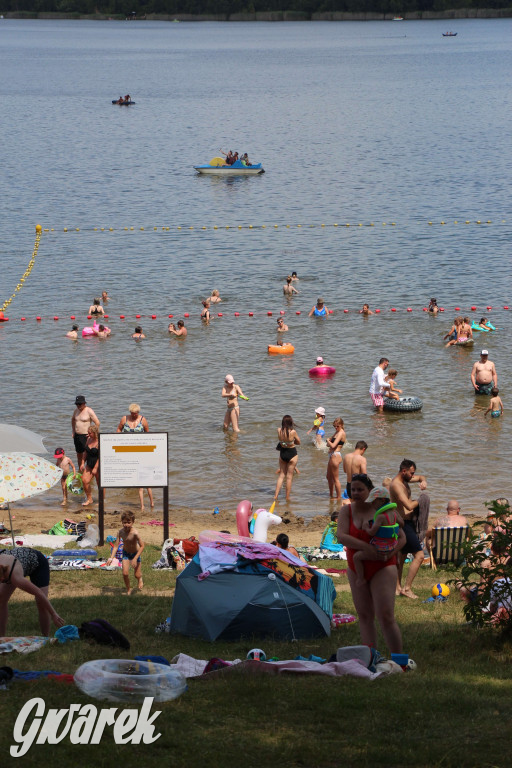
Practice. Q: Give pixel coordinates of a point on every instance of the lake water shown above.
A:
(375, 123)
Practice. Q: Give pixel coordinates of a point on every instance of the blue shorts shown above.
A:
(130, 556)
(412, 543)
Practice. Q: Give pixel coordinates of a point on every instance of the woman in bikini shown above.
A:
(205, 312)
(375, 598)
(134, 423)
(232, 392)
(288, 458)
(96, 309)
(335, 444)
(89, 467)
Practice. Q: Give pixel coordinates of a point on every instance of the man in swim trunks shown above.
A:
(483, 375)
(355, 463)
(82, 418)
(182, 331)
(400, 494)
(378, 385)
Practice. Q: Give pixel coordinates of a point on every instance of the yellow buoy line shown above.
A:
(321, 225)
(28, 270)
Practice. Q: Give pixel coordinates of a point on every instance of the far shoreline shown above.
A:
(274, 16)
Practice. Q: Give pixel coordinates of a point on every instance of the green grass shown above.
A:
(454, 711)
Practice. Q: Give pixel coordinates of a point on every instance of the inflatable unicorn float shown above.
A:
(256, 523)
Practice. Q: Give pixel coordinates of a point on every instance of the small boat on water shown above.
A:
(449, 34)
(123, 103)
(398, 18)
(218, 167)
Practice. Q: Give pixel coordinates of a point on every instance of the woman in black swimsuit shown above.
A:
(96, 309)
(288, 458)
(89, 467)
(15, 565)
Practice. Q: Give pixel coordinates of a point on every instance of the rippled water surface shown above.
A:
(375, 124)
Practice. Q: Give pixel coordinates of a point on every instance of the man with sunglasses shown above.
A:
(415, 516)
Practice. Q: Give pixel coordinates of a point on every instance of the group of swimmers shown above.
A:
(123, 99)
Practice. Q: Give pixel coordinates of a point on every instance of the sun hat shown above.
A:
(79, 400)
(378, 493)
(319, 360)
(229, 379)
(320, 410)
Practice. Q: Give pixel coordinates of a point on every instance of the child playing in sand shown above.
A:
(132, 550)
(392, 392)
(318, 426)
(495, 404)
(383, 528)
(67, 466)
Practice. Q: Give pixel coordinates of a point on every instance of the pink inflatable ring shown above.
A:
(322, 370)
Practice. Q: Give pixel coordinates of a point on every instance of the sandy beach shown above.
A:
(183, 523)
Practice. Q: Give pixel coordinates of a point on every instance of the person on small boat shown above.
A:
(245, 160)
(127, 98)
(228, 155)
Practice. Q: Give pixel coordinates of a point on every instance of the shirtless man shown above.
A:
(82, 418)
(281, 325)
(289, 289)
(355, 463)
(483, 375)
(73, 333)
(452, 519)
(182, 331)
(400, 494)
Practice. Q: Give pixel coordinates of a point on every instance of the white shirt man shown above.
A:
(378, 384)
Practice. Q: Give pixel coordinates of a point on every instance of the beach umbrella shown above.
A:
(13, 438)
(23, 475)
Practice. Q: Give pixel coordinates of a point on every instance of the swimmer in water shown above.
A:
(73, 333)
(319, 363)
(138, 333)
(294, 276)
(215, 297)
(182, 331)
(433, 309)
(281, 325)
(96, 309)
(318, 426)
(232, 392)
(495, 405)
(319, 310)
(366, 310)
(288, 289)
(102, 332)
(205, 312)
(104, 296)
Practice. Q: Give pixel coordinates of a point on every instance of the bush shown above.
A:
(486, 576)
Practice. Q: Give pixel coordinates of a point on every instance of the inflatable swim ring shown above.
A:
(74, 484)
(477, 327)
(92, 330)
(125, 680)
(322, 370)
(403, 404)
(466, 343)
(281, 349)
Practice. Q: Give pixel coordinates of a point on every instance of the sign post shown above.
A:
(133, 460)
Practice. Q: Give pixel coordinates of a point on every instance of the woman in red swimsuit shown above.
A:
(376, 597)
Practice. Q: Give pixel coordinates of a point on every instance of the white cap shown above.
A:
(320, 410)
(484, 352)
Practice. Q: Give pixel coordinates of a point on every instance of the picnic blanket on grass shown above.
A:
(27, 644)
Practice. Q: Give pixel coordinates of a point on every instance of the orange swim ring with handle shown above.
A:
(281, 349)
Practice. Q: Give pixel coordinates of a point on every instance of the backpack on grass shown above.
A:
(104, 633)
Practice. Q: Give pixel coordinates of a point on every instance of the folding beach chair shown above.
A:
(447, 544)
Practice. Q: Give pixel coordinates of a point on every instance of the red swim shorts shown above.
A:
(378, 400)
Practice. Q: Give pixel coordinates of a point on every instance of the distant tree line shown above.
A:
(228, 7)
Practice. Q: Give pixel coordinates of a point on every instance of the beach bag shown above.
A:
(103, 632)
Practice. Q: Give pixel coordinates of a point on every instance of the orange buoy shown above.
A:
(281, 349)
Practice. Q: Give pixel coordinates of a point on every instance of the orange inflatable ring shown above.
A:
(281, 349)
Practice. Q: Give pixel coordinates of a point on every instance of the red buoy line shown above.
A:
(268, 313)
